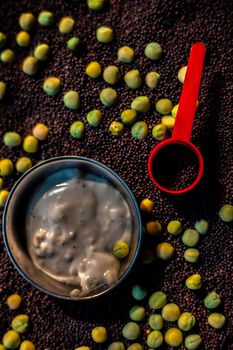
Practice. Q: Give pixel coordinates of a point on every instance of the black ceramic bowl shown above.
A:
(14, 222)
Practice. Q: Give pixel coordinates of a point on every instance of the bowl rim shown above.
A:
(11, 255)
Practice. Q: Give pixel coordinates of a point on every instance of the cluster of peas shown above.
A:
(190, 237)
(133, 79)
(170, 312)
(20, 325)
(111, 74)
(131, 331)
(30, 145)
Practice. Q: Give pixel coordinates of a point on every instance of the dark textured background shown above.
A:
(58, 325)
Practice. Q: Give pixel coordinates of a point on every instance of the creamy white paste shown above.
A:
(72, 227)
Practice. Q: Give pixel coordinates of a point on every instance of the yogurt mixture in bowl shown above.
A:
(72, 226)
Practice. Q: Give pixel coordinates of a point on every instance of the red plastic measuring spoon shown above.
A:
(184, 120)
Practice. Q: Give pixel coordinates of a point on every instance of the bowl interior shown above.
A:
(14, 221)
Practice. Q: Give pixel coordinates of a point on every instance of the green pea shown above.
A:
(96, 5)
(153, 51)
(94, 117)
(23, 39)
(104, 34)
(173, 337)
(4, 194)
(191, 255)
(52, 86)
(66, 25)
(133, 79)
(30, 65)
(1, 183)
(212, 300)
(131, 331)
(170, 312)
(14, 301)
(141, 104)
(159, 132)
(27, 21)
(194, 282)
(128, 116)
(116, 128)
(99, 334)
(192, 341)
(111, 74)
(6, 167)
(156, 322)
(174, 110)
(147, 256)
(11, 139)
(174, 227)
(168, 121)
(154, 228)
(42, 52)
(201, 226)
(30, 144)
(146, 205)
(190, 237)
(165, 250)
(226, 213)
(108, 97)
(152, 79)
(73, 44)
(11, 340)
(7, 56)
(2, 40)
(23, 164)
(216, 320)
(45, 18)
(182, 73)
(139, 292)
(121, 249)
(93, 70)
(137, 313)
(2, 90)
(77, 129)
(186, 321)
(116, 345)
(125, 54)
(72, 100)
(27, 345)
(154, 339)
(139, 130)
(135, 346)
(157, 300)
(164, 106)
(40, 131)
(20, 323)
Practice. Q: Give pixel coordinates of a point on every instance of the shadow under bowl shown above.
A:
(16, 209)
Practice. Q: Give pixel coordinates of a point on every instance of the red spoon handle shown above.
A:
(187, 104)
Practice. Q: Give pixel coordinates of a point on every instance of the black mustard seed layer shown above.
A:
(176, 25)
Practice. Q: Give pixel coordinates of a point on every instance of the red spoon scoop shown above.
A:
(176, 165)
